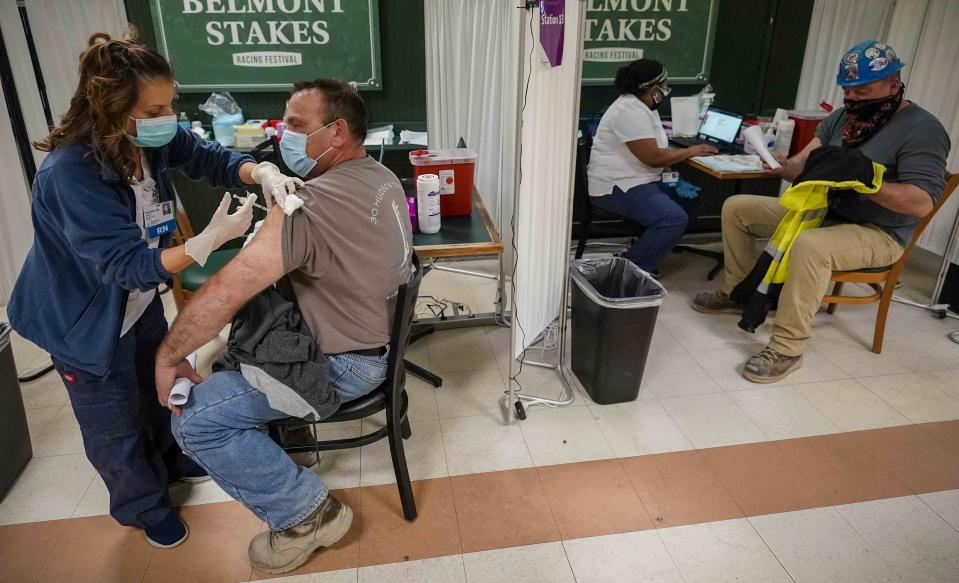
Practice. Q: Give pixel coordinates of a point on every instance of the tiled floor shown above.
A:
(847, 470)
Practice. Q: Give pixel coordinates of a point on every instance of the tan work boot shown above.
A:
(715, 302)
(279, 551)
(770, 366)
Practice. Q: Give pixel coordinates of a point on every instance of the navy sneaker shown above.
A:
(170, 532)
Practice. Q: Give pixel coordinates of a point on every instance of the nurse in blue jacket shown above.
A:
(103, 211)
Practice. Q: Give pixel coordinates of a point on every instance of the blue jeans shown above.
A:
(663, 219)
(126, 432)
(223, 429)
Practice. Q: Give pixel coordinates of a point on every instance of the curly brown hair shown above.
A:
(111, 72)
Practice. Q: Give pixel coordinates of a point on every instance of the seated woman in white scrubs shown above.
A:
(629, 156)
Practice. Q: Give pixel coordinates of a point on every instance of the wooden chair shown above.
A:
(391, 396)
(883, 279)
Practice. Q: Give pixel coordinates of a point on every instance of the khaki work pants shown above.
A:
(815, 255)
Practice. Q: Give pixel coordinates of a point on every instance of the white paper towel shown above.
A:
(754, 135)
(181, 388)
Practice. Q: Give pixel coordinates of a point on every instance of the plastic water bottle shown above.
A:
(428, 203)
(706, 98)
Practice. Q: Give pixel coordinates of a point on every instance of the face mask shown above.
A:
(293, 151)
(154, 132)
(664, 93)
(867, 116)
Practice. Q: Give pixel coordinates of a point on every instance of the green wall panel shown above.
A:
(402, 100)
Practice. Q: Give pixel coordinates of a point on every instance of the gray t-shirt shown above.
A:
(346, 252)
(913, 147)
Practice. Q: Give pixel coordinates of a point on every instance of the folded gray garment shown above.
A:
(273, 348)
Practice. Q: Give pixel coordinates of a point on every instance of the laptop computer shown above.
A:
(719, 128)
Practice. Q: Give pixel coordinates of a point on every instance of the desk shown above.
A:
(737, 176)
(468, 236)
(716, 188)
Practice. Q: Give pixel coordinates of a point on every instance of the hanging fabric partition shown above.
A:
(61, 29)
(934, 84)
(471, 79)
(835, 26)
(545, 194)
(16, 230)
(18, 52)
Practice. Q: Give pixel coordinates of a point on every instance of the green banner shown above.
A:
(267, 45)
(677, 33)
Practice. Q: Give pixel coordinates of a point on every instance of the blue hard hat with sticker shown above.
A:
(867, 62)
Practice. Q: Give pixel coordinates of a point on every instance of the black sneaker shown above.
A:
(170, 532)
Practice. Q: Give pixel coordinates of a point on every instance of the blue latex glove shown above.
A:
(686, 190)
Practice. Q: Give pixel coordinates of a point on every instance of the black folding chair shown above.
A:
(391, 396)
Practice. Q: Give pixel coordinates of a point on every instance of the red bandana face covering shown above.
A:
(865, 118)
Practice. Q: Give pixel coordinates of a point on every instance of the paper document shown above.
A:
(379, 136)
(411, 137)
(181, 388)
(685, 112)
(754, 135)
(731, 163)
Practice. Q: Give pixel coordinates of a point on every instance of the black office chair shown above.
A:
(391, 396)
(590, 222)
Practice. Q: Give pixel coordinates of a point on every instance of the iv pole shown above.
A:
(513, 401)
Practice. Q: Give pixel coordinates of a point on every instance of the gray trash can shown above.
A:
(614, 307)
(15, 448)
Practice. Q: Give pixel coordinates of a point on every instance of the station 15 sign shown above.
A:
(267, 45)
(677, 33)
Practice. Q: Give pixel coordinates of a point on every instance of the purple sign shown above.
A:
(552, 23)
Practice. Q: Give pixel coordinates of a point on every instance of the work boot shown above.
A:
(280, 551)
(305, 459)
(770, 366)
(715, 302)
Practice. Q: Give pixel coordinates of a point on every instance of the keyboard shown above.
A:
(689, 141)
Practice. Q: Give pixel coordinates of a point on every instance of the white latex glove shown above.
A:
(276, 185)
(222, 228)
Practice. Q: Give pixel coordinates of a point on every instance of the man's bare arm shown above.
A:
(257, 266)
(903, 198)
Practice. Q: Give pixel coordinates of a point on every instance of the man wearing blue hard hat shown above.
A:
(860, 231)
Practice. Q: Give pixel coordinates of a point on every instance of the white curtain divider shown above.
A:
(934, 84)
(61, 29)
(471, 77)
(16, 231)
(16, 42)
(548, 138)
(904, 31)
(837, 25)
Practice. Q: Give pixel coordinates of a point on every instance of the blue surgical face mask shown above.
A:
(154, 132)
(293, 151)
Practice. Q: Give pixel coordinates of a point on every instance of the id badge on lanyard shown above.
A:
(159, 218)
(670, 178)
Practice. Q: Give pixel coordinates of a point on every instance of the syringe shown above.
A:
(243, 199)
